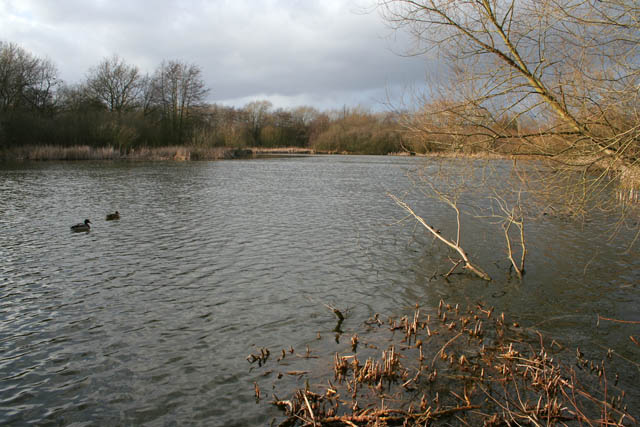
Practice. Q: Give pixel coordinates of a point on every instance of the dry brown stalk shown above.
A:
(261, 357)
(491, 375)
(296, 373)
(396, 416)
(441, 351)
(633, 322)
(257, 391)
(313, 418)
(337, 312)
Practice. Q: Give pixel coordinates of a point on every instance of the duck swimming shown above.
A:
(112, 216)
(82, 226)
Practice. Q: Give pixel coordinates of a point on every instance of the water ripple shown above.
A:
(148, 320)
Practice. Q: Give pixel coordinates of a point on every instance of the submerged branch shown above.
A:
(468, 264)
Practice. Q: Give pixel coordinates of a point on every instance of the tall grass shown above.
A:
(85, 152)
(57, 152)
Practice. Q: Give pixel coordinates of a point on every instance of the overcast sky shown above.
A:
(291, 52)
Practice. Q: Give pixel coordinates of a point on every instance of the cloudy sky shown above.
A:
(325, 53)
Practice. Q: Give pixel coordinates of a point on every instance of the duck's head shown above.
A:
(87, 222)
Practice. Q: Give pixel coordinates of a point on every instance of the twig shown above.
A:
(445, 346)
(632, 322)
(335, 311)
(453, 268)
(313, 419)
(387, 415)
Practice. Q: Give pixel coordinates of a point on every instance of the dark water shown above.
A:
(149, 319)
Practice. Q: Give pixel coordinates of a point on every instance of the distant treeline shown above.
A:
(117, 106)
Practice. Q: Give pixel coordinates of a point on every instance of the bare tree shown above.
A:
(177, 89)
(257, 115)
(41, 93)
(305, 115)
(554, 78)
(115, 84)
(75, 98)
(26, 82)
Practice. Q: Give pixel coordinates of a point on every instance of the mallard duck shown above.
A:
(82, 226)
(112, 216)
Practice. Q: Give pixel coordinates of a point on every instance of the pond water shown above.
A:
(149, 319)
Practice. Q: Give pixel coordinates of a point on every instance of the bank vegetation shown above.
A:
(555, 79)
(118, 111)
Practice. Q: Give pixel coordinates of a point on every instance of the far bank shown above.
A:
(166, 153)
(188, 153)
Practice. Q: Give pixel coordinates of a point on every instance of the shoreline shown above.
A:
(195, 153)
(182, 153)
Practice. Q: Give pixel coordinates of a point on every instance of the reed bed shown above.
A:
(481, 155)
(284, 150)
(456, 367)
(56, 152)
(85, 152)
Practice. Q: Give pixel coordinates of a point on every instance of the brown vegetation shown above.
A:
(117, 106)
(361, 133)
(464, 366)
(555, 79)
(85, 152)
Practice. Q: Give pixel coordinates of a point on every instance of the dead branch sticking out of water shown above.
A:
(483, 370)
(513, 216)
(453, 245)
(337, 312)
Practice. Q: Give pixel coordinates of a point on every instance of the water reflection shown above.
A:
(149, 319)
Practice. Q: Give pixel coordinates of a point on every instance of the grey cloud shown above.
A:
(284, 49)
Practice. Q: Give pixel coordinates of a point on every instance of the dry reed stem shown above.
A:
(85, 152)
(633, 322)
(493, 376)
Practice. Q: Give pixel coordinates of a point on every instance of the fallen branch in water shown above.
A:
(453, 245)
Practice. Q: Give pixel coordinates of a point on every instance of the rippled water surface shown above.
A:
(149, 319)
